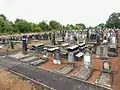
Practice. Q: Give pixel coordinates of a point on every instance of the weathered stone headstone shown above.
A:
(71, 52)
(57, 57)
(88, 59)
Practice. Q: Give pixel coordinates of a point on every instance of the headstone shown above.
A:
(53, 38)
(88, 59)
(70, 57)
(57, 57)
(103, 52)
(12, 45)
(24, 45)
(106, 65)
(71, 52)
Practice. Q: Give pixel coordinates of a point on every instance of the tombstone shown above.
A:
(57, 57)
(53, 38)
(12, 45)
(74, 40)
(24, 45)
(103, 52)
(113, 46)
(106, 66)
(72, 50)
(87, 34)
(88, 59)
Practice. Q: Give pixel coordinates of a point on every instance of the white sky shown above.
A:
(89, 12)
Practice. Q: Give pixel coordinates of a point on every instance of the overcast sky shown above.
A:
(89, 12)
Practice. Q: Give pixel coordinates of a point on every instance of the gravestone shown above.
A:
(24, 45)
(53, 38)
(72, 50)
(57, 57)
(12, 45)
(87, 59)
(113, 45)
(106, 67)
(87, 34)
(102, 50)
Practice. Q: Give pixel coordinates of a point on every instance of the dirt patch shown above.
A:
(9, 81)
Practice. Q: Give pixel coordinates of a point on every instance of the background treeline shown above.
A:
(23, 26)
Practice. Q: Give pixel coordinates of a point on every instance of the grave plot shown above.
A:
(19, 56)
(38, 62)
(29, 59)
(105, 77)
(82, 73)
(86, 70)
(65, 69)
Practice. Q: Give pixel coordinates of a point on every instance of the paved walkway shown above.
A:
(53, 80)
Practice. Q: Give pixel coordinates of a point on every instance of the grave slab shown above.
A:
(37, 62)
(104, 79)
(65, 69)
(83, 73)
(29, 59)
(19, 55)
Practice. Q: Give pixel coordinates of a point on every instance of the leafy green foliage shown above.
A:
(55, 25)
(113, 21)
(23, 26)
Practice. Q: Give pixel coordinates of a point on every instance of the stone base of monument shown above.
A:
(82, 73)
(18, 56)
(104, 79)
(112, 54)
(65, 69)
(38, 62)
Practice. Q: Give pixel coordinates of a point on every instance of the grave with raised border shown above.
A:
(105, 77)
(86, 70)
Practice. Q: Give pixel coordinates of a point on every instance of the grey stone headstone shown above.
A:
(88, 59)
(102, 51)
(70, 57)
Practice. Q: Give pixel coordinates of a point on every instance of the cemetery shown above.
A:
(75, 54)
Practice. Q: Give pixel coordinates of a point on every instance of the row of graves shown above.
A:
(79, 45)
(25, 57)
(106, 49)
(72, 46)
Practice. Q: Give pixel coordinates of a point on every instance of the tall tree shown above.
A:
(79, 26)
(69, 27)
(101, 25)
(113, 20)
(55, 25)
(44, 26)
(2, 16)
(22, 26)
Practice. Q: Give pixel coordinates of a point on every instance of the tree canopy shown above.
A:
(23, 26)
(113, 21)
